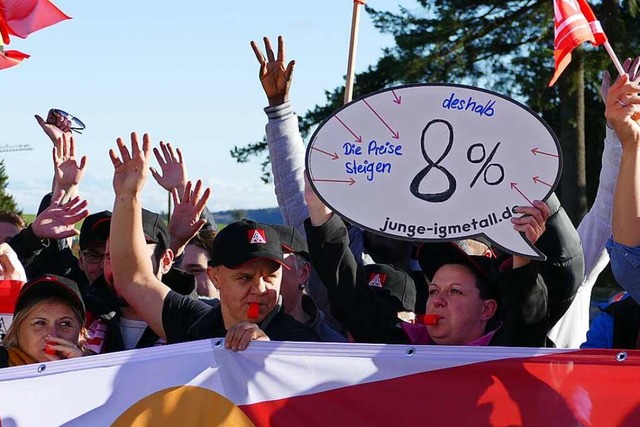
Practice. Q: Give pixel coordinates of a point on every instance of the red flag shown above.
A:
(575, 23)
(11, 58)
(23, 17)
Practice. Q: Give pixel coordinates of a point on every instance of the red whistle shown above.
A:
(430, 319)
(253, 311)
(49, 350)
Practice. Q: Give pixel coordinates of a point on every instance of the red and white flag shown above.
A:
(575, 23)
(23, 17)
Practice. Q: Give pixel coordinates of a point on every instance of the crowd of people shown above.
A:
(137, 282)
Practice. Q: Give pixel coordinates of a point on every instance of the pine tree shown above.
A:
(6, 200)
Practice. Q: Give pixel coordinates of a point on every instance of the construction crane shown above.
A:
(19, 147)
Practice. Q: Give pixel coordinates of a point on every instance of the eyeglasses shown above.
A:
(92, 257)
(76, 124)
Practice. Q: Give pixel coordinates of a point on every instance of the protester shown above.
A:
(196, 260)
(594, 231)
(286, 152)
(47, 323)
(297, 302)
(10, 224)
(113, 324)
(619, 324)
(92, 242)
(246, 266)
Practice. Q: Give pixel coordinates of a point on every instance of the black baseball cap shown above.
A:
(91, 232)
(292, 241)
(244, 241)
(153, 226)
(47, 286)
(432, 256)
(396, 282)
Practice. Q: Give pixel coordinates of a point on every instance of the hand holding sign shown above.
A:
(436, 162)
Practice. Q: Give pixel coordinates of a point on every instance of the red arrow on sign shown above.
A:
(358, 138)
(537, 180)
(514, 186)
(535, 152)
(333, 156)
(351, 181)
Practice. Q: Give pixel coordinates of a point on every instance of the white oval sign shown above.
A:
(435, 162)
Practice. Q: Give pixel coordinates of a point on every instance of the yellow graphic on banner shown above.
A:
(183, 406)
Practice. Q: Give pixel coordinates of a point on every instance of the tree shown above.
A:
(7, 203)
(506, 46)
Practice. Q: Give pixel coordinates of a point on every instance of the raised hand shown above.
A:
(58, 220)
(185, 221)
(623, 109)
(10, 266)
(67, 172)
(131, 168)
(631, 68)
(174, 170)
(55, 126)
(275, 78)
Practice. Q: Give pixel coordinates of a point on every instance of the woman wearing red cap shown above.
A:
(47, 323)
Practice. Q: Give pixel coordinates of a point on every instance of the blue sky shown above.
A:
(184, 74)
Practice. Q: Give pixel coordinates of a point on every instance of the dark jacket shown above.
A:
(366, 316)
(44, 256)
(523, 306)
(563, 271)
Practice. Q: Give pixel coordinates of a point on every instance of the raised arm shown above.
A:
(132, 269)
(286, 149)
(623, 112)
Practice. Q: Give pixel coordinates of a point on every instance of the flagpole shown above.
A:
(355, 23)
(614, 57)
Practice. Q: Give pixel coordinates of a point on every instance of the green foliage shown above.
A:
(7, 203)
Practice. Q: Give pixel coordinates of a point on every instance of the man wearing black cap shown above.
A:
(93, 239)
(246, 267)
